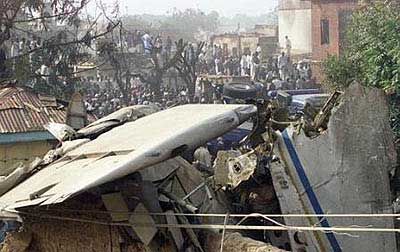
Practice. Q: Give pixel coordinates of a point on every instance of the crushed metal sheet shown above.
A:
(176, 233)
(231, 167)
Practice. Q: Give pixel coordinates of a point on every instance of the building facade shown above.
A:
(22, 134)
(316, 28)
(295, 21)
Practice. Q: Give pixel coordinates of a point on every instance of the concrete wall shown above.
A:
(267, 30)
(297, 25)
(250, 42)
(25, 152)
(232, 41)
(246, 41)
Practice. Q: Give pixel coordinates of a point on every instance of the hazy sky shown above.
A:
(224, 7)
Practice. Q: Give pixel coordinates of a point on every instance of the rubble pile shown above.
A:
(148, 182)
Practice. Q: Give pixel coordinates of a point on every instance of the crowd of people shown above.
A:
(276, 72)
(102, 98)
(214, 60)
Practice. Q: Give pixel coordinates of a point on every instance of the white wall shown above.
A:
(298, 26)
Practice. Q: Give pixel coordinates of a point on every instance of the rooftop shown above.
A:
(23, 110)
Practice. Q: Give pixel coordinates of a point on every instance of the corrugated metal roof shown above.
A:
(22, 110)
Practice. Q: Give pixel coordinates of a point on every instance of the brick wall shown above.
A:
(329, 10)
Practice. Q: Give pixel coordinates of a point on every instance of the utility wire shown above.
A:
(280, 227)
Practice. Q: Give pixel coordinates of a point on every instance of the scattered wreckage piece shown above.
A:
(322, 118)
(63, 132)
(124, 115)
(231, 167)
(343, 170)
(17, 176)
(316, 120)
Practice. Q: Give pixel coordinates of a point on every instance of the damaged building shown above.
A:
(239, 43)
(22, 116)
(148, 180)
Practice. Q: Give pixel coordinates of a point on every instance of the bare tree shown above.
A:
(188, 64)
(126, 65)
(13, 13)
(160, 67)
(65, 37)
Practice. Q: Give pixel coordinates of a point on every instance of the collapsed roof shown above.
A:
(126, 149)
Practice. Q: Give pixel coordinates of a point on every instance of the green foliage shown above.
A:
(47, 45)
(374, 39)
(372, 55)
(395, 119)
(339, 72)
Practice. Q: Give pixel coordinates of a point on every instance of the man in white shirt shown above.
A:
(147, 43)
(283, 61)
(277, 83)
(243, 65)
(259, 50)
(249, 59)
(288, 45)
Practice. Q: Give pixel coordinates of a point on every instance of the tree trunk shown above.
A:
(122, 90)
(192, 87)
(156, 85)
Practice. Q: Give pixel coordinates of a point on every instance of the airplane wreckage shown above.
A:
(142, 180)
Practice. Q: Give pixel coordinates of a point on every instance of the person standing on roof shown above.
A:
(288, 45)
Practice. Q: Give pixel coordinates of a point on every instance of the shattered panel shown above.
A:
(143, 224)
